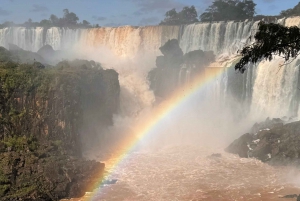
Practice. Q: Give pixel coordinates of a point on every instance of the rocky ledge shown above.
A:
(48, 115)
(275, 141)
(32, 171)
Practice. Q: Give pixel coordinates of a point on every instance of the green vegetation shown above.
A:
(187, 15)
(41, 120)
(3, 189)
(220, 10)
(270, 40)
(20, 143)
(26, 90)
(69, 19)
(291, 12)
(223, 10)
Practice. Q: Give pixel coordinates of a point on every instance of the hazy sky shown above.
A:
(116, 12)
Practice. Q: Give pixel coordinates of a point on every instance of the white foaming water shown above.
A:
(130, 42)
(25, 38)
(276, 85)
(182, 173)
(219, 37)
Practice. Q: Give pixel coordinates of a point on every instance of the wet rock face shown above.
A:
(174, 68)
(43, 115)
(278, 145)
(52, 175)
(56, 104)
(239, 146)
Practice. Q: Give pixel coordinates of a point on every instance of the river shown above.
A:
(190, 173)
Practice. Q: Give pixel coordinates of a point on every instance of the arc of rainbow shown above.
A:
(160, 112)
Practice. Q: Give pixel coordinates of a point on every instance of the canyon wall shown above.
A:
(45, 113)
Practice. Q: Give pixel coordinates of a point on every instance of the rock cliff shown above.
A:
(273, 141)
(44, 113)
(174, 68)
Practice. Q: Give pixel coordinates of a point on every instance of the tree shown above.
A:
(69, 18)
(8, 24)
(28, 23)
(221, 10)
(291, 12)
(271, 39)
(54, 20)
(171, 18)
(86, 23)
(45, 23)
(188, 15)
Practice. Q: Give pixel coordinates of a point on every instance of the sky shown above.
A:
(116, 12)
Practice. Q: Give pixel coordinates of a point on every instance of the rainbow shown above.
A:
(160, 112)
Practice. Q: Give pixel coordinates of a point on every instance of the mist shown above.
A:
(185, 142)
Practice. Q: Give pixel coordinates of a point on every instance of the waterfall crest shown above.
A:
(267, 89)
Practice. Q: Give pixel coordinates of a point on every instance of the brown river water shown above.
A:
(187, 173)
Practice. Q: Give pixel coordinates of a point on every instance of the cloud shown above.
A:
(161, 6)
(99, 18)
(4, 12)
(39, 8)
(149, 21)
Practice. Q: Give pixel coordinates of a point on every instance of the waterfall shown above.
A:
(25, 38)
(267, 90)
(219, 37)
(127, 41)
(276, 88)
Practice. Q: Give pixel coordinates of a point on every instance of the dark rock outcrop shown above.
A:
(52, 56)
(13, 47)
(174, 68)
(273, 141)
(46, 51)
(18, 55)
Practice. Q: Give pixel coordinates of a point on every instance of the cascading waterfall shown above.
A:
(276, 86)
(219, 37)
(268, 90)
(183, 173)
(25, 38)
(124, 41)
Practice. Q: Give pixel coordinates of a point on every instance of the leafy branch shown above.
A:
(271, 40)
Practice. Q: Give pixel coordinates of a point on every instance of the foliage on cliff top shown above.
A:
(187, 15)
(24, 85)
(6, 55)
(69, 19)
(291, 12)
(221, 10)
(270, 40)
